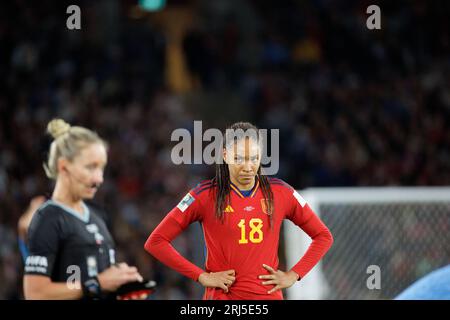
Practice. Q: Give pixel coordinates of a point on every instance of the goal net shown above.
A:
(393, 233)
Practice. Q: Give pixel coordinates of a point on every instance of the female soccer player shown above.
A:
(241, 212)
(71, 252)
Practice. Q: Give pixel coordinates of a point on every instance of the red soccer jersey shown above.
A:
(244, 241)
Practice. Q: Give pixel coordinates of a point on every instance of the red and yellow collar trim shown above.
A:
(239, 193)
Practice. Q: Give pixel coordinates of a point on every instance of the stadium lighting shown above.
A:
(152, 5)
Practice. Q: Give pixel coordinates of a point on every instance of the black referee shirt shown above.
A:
(64, 245)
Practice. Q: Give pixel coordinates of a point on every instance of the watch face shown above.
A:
(92, 286)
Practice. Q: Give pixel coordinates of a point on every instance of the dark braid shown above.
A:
(222, 181)
(267, 193)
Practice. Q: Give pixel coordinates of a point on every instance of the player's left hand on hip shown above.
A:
(278, 278)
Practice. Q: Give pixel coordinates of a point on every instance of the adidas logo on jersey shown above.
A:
(229, 209)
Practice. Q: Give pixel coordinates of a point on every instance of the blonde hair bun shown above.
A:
(57, 127)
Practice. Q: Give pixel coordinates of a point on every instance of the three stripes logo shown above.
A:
(229, 209)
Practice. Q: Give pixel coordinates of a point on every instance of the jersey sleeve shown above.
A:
(43, 243)
(300, 213)
(188, 210)
(158, 244)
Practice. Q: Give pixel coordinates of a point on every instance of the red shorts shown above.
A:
(219, 294)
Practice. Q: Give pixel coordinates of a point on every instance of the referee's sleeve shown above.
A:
(43, 243)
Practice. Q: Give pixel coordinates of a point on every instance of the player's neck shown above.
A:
(63, 195)
(243, 187)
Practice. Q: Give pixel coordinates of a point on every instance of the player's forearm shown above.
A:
(53, 291)
(162, 250)
(158, 245)
(319, 246)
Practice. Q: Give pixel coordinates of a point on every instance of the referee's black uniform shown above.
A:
(63, 245)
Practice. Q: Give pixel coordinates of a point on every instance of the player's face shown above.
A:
(243, 159)
(86, 171)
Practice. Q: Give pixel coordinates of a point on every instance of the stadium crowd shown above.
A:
(355, 107)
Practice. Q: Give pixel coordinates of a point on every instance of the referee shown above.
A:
(70, 250)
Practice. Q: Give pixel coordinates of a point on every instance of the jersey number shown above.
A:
(256, 235)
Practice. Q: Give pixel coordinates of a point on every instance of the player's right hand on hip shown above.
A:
(115, 276)
(221, 279)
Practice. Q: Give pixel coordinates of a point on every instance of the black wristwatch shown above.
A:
(91, 289)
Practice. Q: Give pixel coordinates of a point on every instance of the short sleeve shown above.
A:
(43, 243)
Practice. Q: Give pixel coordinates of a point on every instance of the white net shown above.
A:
(403, 231)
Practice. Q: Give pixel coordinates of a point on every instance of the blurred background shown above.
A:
(355, 107)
